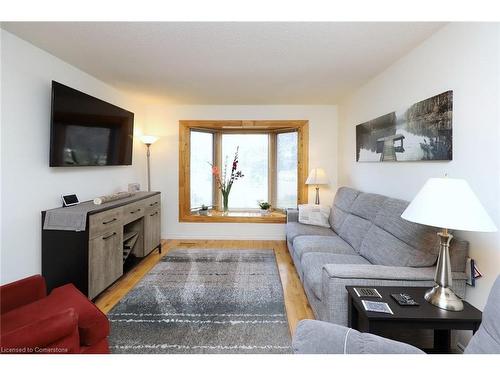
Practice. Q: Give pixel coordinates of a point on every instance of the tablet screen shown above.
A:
(70, 199)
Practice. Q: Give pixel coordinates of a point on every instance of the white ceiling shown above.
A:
(229, 63)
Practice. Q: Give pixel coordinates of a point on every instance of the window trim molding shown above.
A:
(239, 126)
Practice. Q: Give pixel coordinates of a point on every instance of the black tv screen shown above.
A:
(86, 131)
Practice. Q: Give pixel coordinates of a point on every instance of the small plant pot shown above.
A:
(264, 212)
(203, 212)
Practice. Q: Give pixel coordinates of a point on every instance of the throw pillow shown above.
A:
(312, 214)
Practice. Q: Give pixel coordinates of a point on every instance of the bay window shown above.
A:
(286, 170)
(272, 157)
(254, 162)
(201, 175)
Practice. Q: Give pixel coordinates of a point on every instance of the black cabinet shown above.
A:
(93, 259)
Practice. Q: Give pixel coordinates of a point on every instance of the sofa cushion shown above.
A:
(337, 217)
(382, 248)
(416, 235)
(294, 229)
(93, 326)
(341, 205)
(312, 265)
(321, 244)
(367, 205)
(354, 229)
(345, 197)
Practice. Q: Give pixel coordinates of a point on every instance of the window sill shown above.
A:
(214, 216)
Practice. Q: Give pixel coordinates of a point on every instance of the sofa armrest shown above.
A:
(335, 278)
(371, 271)
(22, 292)
(292, 215)
(316, 337)
(375, 272)
(59, 330)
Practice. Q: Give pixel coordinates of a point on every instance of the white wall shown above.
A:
(28, 184)
(461, 57)
(465, 59)
(164, 122)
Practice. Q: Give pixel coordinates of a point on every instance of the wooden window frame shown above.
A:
(218, 127)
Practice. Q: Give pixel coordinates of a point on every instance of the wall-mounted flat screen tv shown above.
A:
(86, 131)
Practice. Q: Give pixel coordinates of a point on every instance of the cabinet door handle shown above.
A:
(133, 212)
(109, 221)
(153, 204)
(156, 213)
(108, 237)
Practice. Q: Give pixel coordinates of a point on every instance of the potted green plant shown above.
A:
(203, 210)
(264, 207)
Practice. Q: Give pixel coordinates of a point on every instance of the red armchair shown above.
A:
(63, 322)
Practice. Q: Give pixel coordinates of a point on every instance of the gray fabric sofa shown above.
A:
(368, 243)
(315, 337)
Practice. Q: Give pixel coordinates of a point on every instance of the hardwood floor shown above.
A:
(296, 304)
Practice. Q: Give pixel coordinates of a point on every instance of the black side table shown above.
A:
(424, 316)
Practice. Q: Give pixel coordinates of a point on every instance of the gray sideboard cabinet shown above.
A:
(94, 259)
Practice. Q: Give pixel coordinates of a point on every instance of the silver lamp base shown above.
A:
(441, 294)
(444, 298)
(316, 201)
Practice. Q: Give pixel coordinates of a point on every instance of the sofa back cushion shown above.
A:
(416, 235)
(340, 208)
(382, 248)
(393, 241)
(372, 225)
(353, 230)
(368, 205)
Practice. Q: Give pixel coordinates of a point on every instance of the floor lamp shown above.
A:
(447, 203)
(148, 140)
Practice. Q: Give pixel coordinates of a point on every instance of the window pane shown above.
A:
(253, 162)
(201, 172)
(286, 160)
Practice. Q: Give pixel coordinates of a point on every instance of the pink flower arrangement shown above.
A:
(225, 182)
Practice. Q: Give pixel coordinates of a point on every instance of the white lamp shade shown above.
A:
(317, 176)
(148, 139)
(449, 203)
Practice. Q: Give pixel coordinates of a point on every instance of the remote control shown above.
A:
(404, 299)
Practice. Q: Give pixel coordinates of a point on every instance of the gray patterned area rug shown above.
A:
(204, 301)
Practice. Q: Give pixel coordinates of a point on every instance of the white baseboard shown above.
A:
(229, 236)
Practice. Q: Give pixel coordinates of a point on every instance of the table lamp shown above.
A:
(447, 203)
(317, 176)
(148, 140)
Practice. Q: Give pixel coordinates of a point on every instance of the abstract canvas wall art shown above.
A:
(420, 132)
